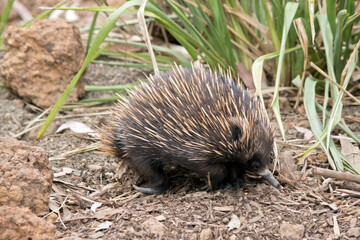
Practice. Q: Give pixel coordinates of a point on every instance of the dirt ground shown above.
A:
(259, 211)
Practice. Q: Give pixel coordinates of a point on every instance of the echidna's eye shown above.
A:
(255, 165)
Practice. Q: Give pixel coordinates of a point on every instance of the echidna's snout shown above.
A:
(270, 178)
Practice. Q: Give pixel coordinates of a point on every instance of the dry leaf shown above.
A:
(234, 222)
(77, 127)
(245, 76)
(95, 206)
(160, 218)
(307, 132)
(64, 171)
(106, 213)
(351, 152)
(224, 208)
(104, 225)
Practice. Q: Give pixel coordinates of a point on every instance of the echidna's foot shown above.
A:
(152, 190)
(237, 181)
(239, 184)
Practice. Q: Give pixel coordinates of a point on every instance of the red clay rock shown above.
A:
(41, 61)
(21, 223)
(25, 176)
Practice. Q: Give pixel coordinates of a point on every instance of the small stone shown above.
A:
(353, 222)
(233, 237)
(160, 218)
(19, 103)
(193, 236)
(52, 218)
(354, 232)
(225, 220)
(153, 226)
(94, 167)
(291, 231)
(49, 131)
(206, 234)
(96, 235)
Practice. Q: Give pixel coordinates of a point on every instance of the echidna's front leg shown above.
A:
(237, 178)
(226, 176)
(150, 171)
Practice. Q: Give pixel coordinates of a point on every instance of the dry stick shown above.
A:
(142, 24)
(209, 181)
(334, 82)
(336, 227)
(338, 175)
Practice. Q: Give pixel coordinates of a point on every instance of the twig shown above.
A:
(338, 175)
(73, 186)
(334, 82)
(209, 181)
(104, 190)
(142, 24)
(336, 227)
(58, 212)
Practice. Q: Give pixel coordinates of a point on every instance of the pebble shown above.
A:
(353, 222)
(206, 234)
(225, 220)
(291, 231)
(160, 218)
(153, 226)
(353, 232)
(193, 236)
(93, 167)
(233, 237)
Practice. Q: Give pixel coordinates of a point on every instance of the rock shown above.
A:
(233, 237)
(206, 234)
(25, 176)
(160, 218)
(41, 61)
(353, 232)
(153, 226)
(292, 231)
(21, 223)
(94, 167)
(193, 236)
(353, 222)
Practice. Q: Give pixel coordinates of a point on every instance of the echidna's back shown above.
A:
(184, 113)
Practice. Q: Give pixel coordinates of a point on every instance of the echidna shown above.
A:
(194, 118)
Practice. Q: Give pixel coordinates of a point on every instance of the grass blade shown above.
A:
(5, 15)
(290, 10)
(91, 32)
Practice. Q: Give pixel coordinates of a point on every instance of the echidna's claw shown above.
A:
(149, 190)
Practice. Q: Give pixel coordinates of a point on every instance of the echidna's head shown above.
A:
(254, 146)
